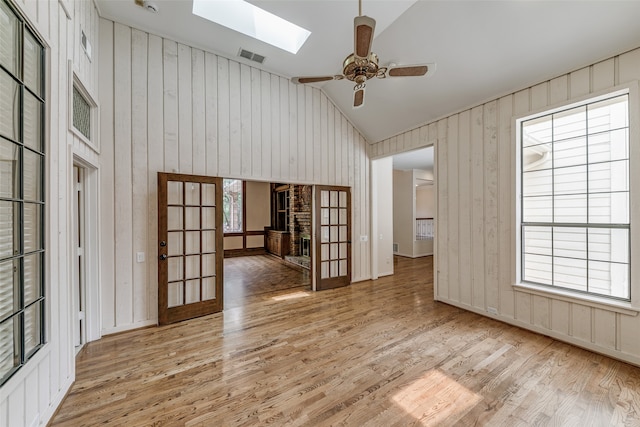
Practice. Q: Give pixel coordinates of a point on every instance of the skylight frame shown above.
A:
(253, 21)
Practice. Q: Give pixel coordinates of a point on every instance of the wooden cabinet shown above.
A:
(277, 242)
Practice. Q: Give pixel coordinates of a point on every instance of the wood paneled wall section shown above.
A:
(32, 395)
(170, 107)
(475, 181)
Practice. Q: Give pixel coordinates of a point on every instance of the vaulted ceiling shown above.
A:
(482, 49)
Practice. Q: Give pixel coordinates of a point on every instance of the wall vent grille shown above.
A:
(251, 56)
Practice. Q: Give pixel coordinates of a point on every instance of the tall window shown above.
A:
(21, 192)
(232, 199)
(575, 212)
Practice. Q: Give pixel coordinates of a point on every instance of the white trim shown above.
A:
(129, 327)
(66, 6)
(91, 199)
(76, 82)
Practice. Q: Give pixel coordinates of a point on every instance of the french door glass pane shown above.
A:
(192, 266)
(175, 294)
(208, 241)
(32, 279)
(192, 194)
(32, 63)
(192, 218)
(32, 175)
(208, 288)
(208, 219)
(9, 276)
(208, 194)
(9, 41)
(32, 327)
(209, 265)
(174, 218)
(174, 246)
(176, 270)
(9, 169)
(192, 291)
(32, 122)
(9, 107)
(32, 227)
(174, 193)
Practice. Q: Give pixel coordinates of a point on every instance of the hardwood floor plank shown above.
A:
(376, 353)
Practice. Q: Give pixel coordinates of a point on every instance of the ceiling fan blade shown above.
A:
(303, 80)
(358, 98)
(363, 35)
(411, 70)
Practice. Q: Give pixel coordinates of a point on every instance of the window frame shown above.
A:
(76, 83)
(243, 208)
(24, 355)
(631, 306)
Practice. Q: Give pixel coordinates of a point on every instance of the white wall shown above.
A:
(475, 240)
(403, 211)
(32, 395)
(170, 107)
(382, 218)
(425, 202)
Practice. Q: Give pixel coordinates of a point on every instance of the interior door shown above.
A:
(333, 237)
(190, 253)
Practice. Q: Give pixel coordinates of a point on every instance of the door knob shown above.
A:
(163, 257)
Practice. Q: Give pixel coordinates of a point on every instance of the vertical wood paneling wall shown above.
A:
(169, 107)
(476, 251)
(32, 395)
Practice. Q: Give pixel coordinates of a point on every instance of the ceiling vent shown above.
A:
(251, 56)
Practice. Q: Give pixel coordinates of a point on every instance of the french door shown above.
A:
(190, 253)
(332, 237)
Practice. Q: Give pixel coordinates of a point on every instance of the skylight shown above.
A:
(248, 19)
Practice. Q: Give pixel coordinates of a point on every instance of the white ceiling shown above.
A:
(421, 159)
(483, 49)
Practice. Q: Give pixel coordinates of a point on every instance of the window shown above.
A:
(575, 211)
(83, 112)
(21, 192)
(232, 199)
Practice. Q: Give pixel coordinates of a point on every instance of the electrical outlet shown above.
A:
(492, 310)
(140, 256)
(364, 238)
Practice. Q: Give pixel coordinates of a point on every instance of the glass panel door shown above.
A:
(189, 236)
(333, 237)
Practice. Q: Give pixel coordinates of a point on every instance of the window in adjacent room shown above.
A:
(232, 200)
(575, 205)
(22, 179)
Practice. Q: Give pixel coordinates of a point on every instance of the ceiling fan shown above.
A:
(362, 64)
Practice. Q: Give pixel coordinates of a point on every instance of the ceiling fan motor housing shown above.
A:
(360, 70)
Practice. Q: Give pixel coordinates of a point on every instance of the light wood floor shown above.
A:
(379, 354)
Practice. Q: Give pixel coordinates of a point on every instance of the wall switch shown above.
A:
(364, 238)
(140, 256)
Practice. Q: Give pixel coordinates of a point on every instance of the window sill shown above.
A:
(621, 307)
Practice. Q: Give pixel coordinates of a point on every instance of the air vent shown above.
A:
(251, 56)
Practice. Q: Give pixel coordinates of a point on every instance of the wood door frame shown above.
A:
(168, 315)
(316, 221)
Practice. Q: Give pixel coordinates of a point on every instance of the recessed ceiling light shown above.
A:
(248, 19)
